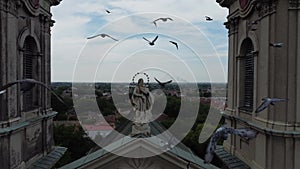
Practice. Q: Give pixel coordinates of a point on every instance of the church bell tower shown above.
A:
(264, 61)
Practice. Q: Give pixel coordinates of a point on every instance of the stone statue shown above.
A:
(142, 101)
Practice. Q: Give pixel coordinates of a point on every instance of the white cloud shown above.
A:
(75, 20)
(192, 10)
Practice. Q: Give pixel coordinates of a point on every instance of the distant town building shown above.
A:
(26, 126)
(256, 69)
(97, 129)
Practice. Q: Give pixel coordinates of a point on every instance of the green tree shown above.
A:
(106, 107)
(173, 106)
(75, 139)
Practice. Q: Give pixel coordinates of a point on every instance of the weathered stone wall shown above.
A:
(25, 135)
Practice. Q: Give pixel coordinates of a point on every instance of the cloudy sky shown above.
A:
(201, 57)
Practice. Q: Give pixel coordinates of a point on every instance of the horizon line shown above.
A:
(127, 82)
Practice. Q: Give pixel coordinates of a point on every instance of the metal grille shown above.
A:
(248, 78)
(28, 59)
(248, 81)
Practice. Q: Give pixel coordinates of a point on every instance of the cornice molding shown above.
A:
(225, 3)
(263, 129)
(232, 25)
(54, 2)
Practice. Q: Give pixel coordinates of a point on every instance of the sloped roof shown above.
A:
(232, 162)
(49, 160)
(179, 151)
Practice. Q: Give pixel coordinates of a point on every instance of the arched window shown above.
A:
(30, 71)
(246, 75)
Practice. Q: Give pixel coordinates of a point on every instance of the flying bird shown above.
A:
(162, 84)
(107, 11)
(222, 133)
(276, 45)
(208, 18)
(27, 85)
(267, 101)
(162, 19)
(174, 44)
(151, 43)
(103, 35)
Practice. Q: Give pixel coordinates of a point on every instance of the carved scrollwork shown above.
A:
(9, 6)
(32, 6)
(225, 3)
(139, 163)
(294, 3)
(44, 18)
(266, 7)
(232, 25)
(32, 135)
(246, 6)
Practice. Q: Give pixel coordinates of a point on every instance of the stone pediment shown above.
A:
(106, 159)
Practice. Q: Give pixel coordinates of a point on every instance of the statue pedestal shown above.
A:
(140, 128)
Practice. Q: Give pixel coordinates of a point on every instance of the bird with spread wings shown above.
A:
(208, 18)
(174, 43)
(103, 35)
(162, 19)
(151, 43)
(277, 45)
(162, 84)
(268, 101)
(26, 85)
(222, 133)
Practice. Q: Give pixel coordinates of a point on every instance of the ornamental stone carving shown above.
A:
(294, 3)
(266, 7)
(246, 6)
(32, 6)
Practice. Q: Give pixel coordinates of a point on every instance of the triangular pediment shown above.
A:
(129, 150)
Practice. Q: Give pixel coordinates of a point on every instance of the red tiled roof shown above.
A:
(97, 127)
(110, 118)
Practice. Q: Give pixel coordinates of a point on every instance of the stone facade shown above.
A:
(25, 118)
(252, 26)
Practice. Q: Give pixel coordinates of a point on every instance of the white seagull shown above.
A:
(222, 133)
(26, 85)
(162, 19)
(103, 35)
(276, 45)
(267, 101)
